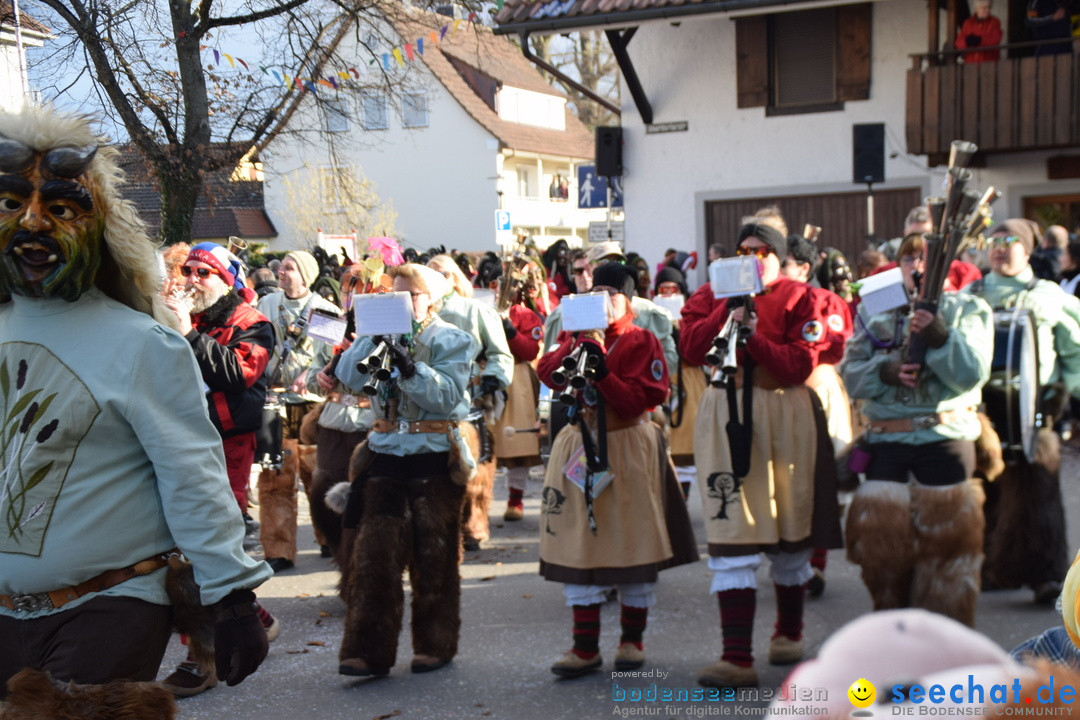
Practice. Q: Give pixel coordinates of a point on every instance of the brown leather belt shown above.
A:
(56, 599)
(348, 400)
(414, 427)
(919, 422)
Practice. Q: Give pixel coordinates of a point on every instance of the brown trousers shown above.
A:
(277, 490)
(408, 522)
(103, 639)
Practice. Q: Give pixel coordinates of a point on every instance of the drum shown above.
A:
(1011, 395)
(268, 437)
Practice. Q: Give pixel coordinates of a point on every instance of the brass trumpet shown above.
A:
(577, 370)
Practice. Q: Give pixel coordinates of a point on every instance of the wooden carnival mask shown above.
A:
(51, 222)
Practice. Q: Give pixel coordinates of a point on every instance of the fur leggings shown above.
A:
(407, 522)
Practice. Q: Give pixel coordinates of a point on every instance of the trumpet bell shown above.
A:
(960, 153)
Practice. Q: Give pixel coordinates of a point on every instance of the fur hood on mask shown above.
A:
(129, 271)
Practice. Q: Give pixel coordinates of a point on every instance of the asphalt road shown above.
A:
(515, 625)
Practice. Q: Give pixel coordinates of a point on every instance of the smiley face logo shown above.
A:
(862, 693)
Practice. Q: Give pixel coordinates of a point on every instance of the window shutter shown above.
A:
(752, 61)
(854, 29)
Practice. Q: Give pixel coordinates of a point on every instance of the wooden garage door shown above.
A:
(842, 217)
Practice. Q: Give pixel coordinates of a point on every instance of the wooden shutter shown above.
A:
(854, 30)
(752, 61)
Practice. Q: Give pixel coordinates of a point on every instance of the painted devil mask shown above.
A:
(51, 222)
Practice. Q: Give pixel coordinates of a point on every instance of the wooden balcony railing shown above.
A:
(1009, 105)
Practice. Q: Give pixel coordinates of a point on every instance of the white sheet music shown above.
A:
(672, 303)
(883, 292)
(326, 327)
(729, 277)
(383, 314)
(586, 311)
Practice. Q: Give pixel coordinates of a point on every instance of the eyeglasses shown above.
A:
(910, 259)
(204, 273)
(579, 271)
(1003, 242)
(762, 251)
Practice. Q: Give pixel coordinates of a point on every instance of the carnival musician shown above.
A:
(412, 491)
(493, 366)
(637, 524)
(785, 503)
(523, 322)
(1025, 541)
(919, 543)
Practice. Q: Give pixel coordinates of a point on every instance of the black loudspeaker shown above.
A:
(609, 151)
(868, 160)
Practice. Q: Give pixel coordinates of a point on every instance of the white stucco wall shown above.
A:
(688, 73)
(441, 179)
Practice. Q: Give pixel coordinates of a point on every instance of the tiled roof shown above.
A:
(225, 207)
(564, 15)
(476, 46)
(7, 17)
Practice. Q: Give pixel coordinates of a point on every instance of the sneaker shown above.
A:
(325, 551)
(250, 526)
(279, 564)
(816, 585)
(187, 681)
(471, 544)
(785, 651)
(572, 665)
(724, 674)
(513, 513)
(629, 657)
(273, 629)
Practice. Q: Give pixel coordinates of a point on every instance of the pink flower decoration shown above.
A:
(388, 248)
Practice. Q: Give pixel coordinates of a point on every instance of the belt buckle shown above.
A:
(32, 602)
(403, 426)
(348, 400)
(924, 422)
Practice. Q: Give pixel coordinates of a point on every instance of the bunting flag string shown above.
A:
(406, 52)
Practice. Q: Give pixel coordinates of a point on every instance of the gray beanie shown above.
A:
(307, 265)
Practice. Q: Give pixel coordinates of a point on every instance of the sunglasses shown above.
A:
(1003, 242)
(762, 252)
(579, 271)
(204, 273)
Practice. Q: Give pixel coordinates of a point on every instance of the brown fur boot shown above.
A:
(433, 569)
(1026, 542)
(989, 461)
(475, 520)
(880, 540)
(34, 695)
(307, 465)
(277, 505)
(190, 616)
(948, 523)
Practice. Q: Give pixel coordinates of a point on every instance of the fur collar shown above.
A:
(218, 314)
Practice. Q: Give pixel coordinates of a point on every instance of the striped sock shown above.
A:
(819, 558)
(264, 617)
(789, 610)
(586, 630)
(737, 621)
(515, 498)
(633, 621)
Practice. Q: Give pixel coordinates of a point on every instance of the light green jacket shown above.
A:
(951, 379)
(308, 355)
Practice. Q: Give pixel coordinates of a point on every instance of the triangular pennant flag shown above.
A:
(277, 76)
(386, 61)
(240, 60)
(472, 17)
(309, 85)
(328, 82)
(457, 24)
(498, 4)
(299, 83)
(409, 52)
(333, 82)
(263, 69)
(343, 75)
(420, 45)
(355, 73)
(217, 58)
(397, 56)
(203, 47)
(442, 31)
(434, 37)
(230, 59)
(288, 81)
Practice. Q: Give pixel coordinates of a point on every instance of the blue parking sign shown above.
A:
(502, 220)
(592, 188)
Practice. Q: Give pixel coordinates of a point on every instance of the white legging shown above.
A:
(740, 571)
(517, 478)
(639, 595)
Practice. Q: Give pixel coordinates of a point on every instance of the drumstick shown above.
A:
(510, 432)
